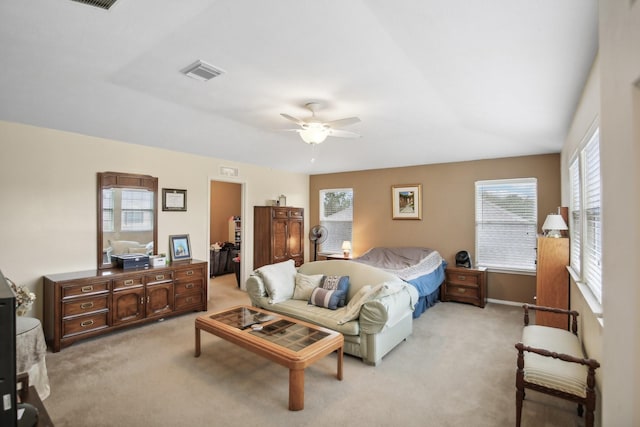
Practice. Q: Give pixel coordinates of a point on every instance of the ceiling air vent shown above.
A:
(102, 4)
(202, 71)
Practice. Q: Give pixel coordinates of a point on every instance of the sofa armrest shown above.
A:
(255, 288)
(385, 310)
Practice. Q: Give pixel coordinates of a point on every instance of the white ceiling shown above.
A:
(433, 81)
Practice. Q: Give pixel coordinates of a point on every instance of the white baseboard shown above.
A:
(504, 302)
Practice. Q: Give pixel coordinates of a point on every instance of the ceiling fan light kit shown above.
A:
(313, 131)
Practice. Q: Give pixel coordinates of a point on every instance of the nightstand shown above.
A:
(465, 285)
(337, 256)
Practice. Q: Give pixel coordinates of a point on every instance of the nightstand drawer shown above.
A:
(462, 279)
(455, 291)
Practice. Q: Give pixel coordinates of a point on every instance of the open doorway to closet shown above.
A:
(225, 232)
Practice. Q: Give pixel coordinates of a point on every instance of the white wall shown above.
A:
(620, 159)
(48, 198)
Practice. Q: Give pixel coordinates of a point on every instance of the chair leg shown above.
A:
(519, 399)
(580, 410)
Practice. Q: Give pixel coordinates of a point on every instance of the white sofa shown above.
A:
(378, 311)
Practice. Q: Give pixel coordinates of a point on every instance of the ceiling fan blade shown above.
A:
(343, 122)
(293, 119)
(343, 133)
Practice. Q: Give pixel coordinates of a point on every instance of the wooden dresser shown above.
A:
(84, 304)
(552, 280)
(278, 234)
(465, 285)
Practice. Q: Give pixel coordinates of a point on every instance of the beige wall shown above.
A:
(448, 209)
(48, 192)
(226, 201)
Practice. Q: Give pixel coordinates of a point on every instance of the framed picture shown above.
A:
(174, 200)
(406, 201)
(179, 247)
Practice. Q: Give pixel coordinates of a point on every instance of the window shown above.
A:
(336, 214)
(586, 231)
(506, 224)
(107, 210)
(137, 210)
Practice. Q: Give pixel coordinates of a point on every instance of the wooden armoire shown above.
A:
(552, 280)
(278, 235)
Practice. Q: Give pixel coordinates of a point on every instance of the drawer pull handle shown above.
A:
(87, 288)
(86, 323)
(462, 277)
(190, 299)
(189, 286)
(160, 277)
(462, 290)
(128, 282)
(190, 273)
(86, 305)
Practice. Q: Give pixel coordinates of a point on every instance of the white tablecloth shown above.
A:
(31, 351)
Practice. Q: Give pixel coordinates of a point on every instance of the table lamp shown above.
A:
(553, 226)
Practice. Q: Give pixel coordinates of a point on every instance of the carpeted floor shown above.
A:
(457, 369)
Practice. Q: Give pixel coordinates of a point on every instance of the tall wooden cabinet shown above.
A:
(84, 304)
(278, 235)
(552, 280)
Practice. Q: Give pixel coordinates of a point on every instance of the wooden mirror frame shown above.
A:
(124, 180)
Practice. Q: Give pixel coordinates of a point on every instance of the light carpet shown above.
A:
(456, 369)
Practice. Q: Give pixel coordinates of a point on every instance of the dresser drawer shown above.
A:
(128, 282)
(84, 324)
(188, 273)
(159, 277)
(296, 213)
(78, 306)
(462, 278)
(456, 291)
(184, 301)
(89, 288)
(190, 286)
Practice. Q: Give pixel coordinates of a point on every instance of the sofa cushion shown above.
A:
(339, 284)
(326, 298)
(279, 280)
(305, 284)
(318, 315)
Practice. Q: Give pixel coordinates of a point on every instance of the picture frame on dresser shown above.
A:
(179, 247)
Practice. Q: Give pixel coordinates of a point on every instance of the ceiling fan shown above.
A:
(314, 131)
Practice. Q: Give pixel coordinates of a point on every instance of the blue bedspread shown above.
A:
(421, 267)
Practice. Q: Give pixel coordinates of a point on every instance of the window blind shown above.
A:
(506, 224)
(136, 210)
(592, 257)
(336, 214)
(575, 207)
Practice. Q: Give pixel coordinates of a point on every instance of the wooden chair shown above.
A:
(551, 361)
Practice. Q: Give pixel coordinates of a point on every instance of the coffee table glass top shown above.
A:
(290, 335)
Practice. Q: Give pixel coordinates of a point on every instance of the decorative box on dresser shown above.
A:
(465, 285)
(84, 304)
(552, 280)
(278, 234)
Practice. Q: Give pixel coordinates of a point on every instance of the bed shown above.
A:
(421, 267)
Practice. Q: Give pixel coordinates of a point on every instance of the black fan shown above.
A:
(317, 235)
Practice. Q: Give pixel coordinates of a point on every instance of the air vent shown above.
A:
(202, 71)
(102, 4)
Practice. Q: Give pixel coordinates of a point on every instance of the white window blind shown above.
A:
(592, 257)
(575, 208)
(336, 214)
(136, 210)
(107, 210)
(506, 224)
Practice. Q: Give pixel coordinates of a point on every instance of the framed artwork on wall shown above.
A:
(174, 200)
(406, 201)
(179, 247)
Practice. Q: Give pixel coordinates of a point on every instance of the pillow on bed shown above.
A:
(363, 295)
(305, 285)
(337, 283)
(279, 280)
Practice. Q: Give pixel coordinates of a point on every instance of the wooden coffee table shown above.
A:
(289, 342)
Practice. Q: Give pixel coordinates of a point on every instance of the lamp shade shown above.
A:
(346, 246)
(553, 225)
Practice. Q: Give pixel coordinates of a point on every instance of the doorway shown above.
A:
(225, 232)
